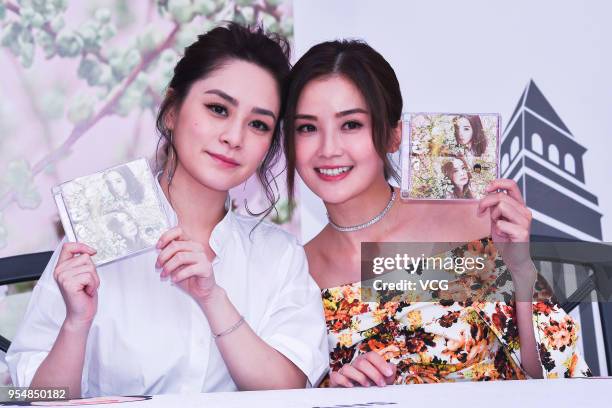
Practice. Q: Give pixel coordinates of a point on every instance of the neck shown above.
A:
(198, 208)
(360, 209)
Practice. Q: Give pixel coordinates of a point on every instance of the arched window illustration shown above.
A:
(505, 161)
(536, 144)
(553, 154)
(569, 163)
(514, 147)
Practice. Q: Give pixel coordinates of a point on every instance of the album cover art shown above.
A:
(118, 211)
(449, 156)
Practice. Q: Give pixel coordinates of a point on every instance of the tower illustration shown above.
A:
(540, 153)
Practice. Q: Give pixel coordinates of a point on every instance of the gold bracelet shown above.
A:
(231, 329)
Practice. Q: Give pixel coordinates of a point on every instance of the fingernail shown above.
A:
(388, 372)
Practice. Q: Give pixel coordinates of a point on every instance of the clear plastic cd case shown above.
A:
(117, 211)
(449, 156)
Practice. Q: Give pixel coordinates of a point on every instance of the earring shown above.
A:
(170, 158)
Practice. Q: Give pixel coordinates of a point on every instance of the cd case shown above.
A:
(117, 211)
(448, 156)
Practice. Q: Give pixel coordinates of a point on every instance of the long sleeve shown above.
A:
(555, 332)
(557, 337)
(39, 328)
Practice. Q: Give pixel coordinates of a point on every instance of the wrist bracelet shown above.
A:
(231, 329)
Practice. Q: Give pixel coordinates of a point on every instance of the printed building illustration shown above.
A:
(541, 154)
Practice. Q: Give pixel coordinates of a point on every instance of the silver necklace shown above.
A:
(367, 223)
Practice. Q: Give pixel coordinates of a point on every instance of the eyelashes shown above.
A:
(349, 125)
(217, 109)
(307, 128)
(259, 125)
(222, 111)
(352, 125)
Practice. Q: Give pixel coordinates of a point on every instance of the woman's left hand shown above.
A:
(186, 263)
(510, 227)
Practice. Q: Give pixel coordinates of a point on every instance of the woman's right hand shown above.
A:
(78, 282)
(365, 370)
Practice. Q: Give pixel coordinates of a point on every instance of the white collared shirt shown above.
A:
(149, 337)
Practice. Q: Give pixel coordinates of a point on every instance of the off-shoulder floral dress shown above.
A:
(446, 340)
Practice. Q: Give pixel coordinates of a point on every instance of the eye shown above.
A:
(259, 125)
(217, 109)
(306, 128)
(352, 125)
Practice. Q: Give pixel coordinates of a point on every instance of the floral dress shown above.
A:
(447, 340)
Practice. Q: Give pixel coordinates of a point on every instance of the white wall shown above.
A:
(563, 45)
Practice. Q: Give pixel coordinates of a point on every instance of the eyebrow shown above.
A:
(223, 95)
(338, 115)
(262, 111)
(233, 101)
(350, 112)
(305, 116)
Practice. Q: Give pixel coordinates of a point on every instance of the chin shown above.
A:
(215, 183)
(219, 180)
(333, 194)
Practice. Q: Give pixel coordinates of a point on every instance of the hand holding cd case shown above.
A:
(117, 211)
(449, 156)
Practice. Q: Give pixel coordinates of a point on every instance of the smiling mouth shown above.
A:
(226, 161)
(333, 171)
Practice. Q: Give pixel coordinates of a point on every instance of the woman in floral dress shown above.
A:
(341, 123)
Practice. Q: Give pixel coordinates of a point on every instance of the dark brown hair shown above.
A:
(370, 73)
(213, 49)
(447, 169)
(479, 140)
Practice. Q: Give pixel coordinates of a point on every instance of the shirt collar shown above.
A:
(220, 233)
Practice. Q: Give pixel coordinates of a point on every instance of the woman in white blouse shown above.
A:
(225, 302)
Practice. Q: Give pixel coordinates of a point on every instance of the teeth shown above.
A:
(334, 171)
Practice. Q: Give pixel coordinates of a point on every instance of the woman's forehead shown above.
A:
(335, 93)
(245, 82)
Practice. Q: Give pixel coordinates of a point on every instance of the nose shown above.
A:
(330, 146)
(233, 135)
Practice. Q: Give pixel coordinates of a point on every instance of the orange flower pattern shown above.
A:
(448, 339)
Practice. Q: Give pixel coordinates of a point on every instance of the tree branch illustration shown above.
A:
(106, 109)
(38, 114)
(108, 106)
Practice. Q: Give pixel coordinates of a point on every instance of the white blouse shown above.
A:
(149, 337)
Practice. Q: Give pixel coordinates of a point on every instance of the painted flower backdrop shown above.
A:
(84, 80)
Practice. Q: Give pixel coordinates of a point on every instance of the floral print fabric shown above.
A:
(447, 340)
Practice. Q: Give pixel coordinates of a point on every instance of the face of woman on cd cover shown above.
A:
(464, 131)
(224, 127)
(459, 175)
(117, 184)
(335, 153)
(124, 225)
(129, 229)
